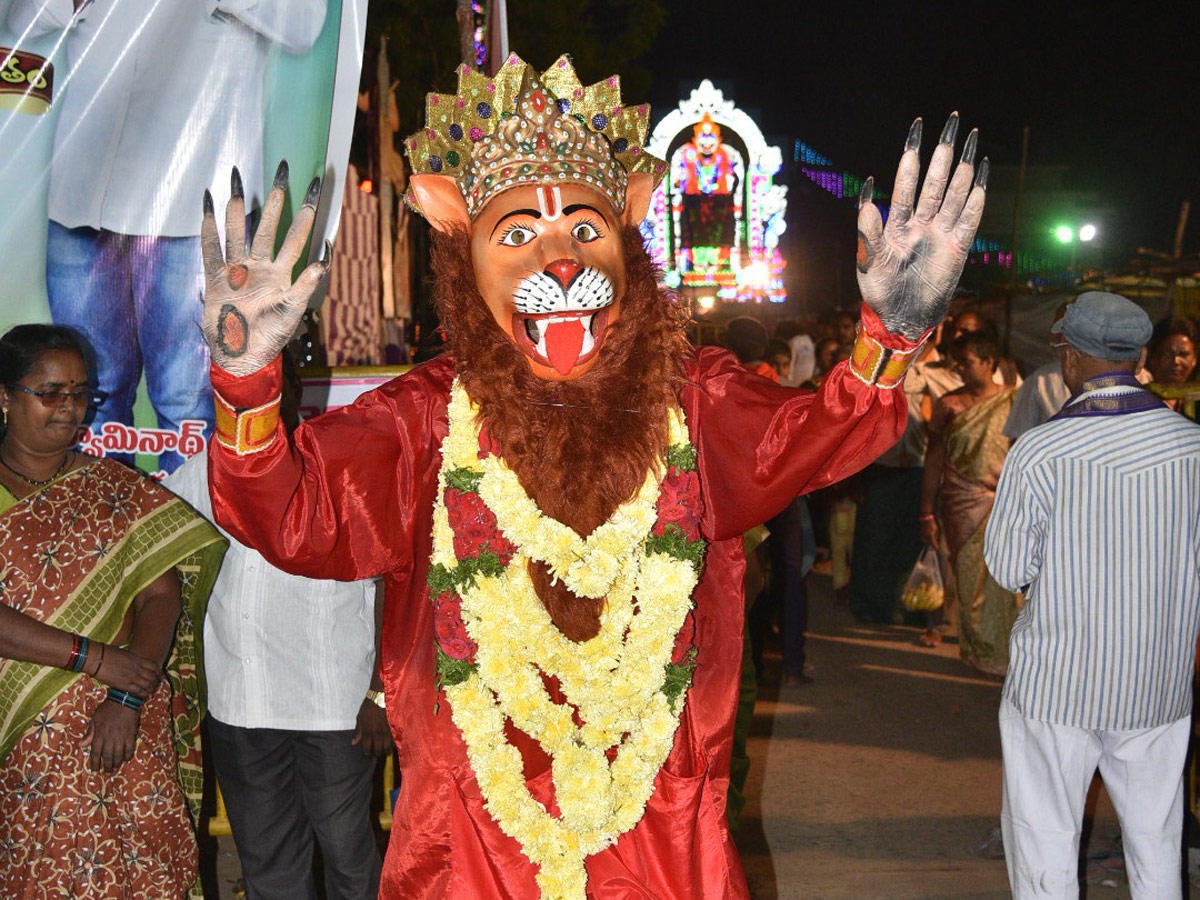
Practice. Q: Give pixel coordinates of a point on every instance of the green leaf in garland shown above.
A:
(451, 671)
(674, 543)
(682, 456)
(440, 579)
(469, 569)
(678, 678)
(465, 480)
(465, 573)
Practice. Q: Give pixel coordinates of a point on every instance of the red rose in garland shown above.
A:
(475, 528)
(448, 626)
(679, 503)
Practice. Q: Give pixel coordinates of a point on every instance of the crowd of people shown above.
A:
(967, 404)
(283, 717)
(1087, 573)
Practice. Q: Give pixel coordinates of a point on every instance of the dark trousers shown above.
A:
(281, 787)
(887, 541)
(794, 598)
(791, 550)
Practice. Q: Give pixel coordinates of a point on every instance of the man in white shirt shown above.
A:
(1097, 518)
(296, 713)
(1043, 393)
(160, 101)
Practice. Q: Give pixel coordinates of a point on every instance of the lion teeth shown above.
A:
(540, 343)
(536, 330)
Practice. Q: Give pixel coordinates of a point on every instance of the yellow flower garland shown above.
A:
(615, 679)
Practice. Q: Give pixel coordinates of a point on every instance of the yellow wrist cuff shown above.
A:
(245, 431)
(873, 363)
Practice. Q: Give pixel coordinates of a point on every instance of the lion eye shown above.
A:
(517, 236)
(585, 232)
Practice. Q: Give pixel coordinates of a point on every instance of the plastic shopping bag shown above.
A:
(924, 590)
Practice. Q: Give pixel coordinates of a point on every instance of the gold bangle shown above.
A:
(377, 698)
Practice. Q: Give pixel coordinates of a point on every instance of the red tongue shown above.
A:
(564, 340)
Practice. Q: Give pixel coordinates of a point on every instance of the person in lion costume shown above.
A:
(556, 506)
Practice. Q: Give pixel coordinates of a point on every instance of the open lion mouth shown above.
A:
(561, 340)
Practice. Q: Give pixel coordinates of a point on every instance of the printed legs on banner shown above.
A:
(137, 299)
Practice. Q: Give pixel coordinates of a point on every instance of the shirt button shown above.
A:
(245, 615)
(246, 660)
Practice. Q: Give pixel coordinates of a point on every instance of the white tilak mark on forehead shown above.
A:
(550, 202)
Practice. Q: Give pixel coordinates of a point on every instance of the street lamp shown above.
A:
(1066, 235)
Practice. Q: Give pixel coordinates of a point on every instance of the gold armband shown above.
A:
(245, 431)
(873, 363)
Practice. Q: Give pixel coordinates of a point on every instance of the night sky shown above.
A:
(1112, 97)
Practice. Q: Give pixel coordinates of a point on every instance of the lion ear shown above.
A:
(441, 202)
(637, 197)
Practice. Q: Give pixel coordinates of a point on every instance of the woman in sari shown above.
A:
(963, 459)
(97, 566)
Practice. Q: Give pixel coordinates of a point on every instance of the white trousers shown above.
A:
(1047, 772)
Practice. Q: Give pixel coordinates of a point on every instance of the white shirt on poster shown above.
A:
(280, 651)
(162, 99)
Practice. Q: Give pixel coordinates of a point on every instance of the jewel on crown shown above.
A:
(521, 128)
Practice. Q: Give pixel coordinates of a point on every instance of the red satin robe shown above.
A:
(352, 496)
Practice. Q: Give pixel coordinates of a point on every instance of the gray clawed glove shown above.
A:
(908, 269)
(251, 305)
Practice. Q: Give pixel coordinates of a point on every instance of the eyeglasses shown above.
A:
(50, 399)
(1060, 345)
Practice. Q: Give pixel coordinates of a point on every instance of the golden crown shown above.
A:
(520, 128)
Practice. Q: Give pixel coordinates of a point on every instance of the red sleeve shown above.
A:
(760, 444)
(340, 498)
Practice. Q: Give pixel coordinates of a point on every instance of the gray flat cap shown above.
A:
(1107, 326)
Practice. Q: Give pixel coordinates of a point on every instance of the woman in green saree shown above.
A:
(963, 460)
(99, 753)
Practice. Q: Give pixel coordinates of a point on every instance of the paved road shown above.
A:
(879, 778)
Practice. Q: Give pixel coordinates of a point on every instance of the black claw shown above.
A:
(235, 184)
(968, 154)
(208, 203)
(327, 255)
(281, 175)
(949, 130)
(867, 192)
(982, 174)
(914, 136)
(313, 192)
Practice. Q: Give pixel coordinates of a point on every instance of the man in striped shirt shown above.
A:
(1097, 520)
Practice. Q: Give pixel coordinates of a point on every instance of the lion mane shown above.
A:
(580, 448)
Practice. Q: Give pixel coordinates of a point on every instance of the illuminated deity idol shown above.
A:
(706, 198)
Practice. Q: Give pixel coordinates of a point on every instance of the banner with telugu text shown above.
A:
(115, 116)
